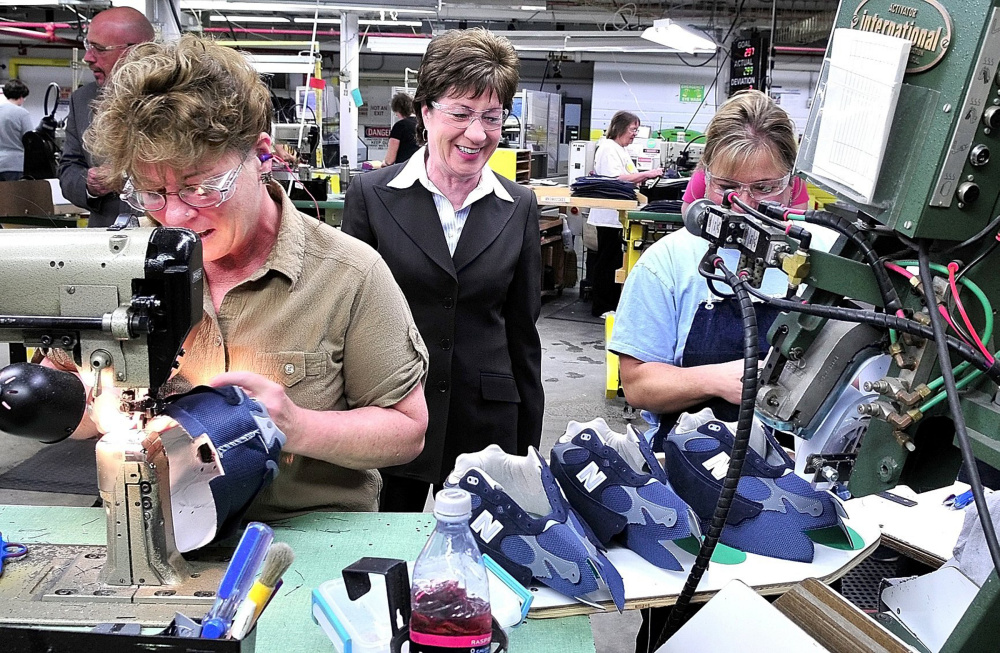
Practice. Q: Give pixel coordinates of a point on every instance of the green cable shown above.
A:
(962, 367)
(939, 397)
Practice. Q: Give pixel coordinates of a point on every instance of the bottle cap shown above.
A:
(452, 502)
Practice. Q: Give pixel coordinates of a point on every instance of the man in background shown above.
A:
(14, 123)
(110, 36)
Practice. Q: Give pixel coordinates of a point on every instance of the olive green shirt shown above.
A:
(324, 317)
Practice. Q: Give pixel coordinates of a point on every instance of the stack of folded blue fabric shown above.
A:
(608, 188)
(663, 206)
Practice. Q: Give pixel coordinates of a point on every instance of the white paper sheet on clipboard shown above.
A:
(866, 71)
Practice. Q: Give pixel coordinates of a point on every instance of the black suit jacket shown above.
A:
(76, 161)
(476, 312)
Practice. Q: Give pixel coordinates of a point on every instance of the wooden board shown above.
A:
(560, 196)
(926, 532)
(649, 586)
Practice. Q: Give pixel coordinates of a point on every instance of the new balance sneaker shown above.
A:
(616, 484)
(773, 509)
(522, 520)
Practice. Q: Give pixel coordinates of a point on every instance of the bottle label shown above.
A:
(424, 643)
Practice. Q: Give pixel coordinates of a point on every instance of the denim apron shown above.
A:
(716, 336)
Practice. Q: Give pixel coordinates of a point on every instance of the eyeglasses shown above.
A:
(758, 190)
(463, 117)
(101, 49)
(208, 194)
(633, 130)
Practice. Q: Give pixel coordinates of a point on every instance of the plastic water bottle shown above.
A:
(449, 595)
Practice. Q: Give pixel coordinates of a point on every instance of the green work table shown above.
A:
(332, 207)
(324, 544)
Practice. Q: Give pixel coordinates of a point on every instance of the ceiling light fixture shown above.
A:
(397, 45)
(290, 7)
(215, 18)
(533, 8)
(674, 35)
(336, 21)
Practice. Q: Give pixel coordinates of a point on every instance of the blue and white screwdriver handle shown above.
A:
(239, 578)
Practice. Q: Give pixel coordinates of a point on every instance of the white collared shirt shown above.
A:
(452, 218)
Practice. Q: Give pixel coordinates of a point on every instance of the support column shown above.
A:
(350, 52)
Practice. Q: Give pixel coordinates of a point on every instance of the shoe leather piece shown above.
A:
(773, 508)
(616, 493)
(522, 520)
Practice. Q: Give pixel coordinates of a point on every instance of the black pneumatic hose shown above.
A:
(944, 361)
(740, 444)
(884, 321)
(856, 236)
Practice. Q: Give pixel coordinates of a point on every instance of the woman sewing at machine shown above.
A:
(680, 345)
(289, 302)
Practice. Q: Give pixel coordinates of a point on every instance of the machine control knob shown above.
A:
(979, 155)
(991, 117)
(968, 192)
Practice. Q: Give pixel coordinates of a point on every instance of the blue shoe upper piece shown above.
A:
(614, 498)
(554, 548)
(773, 508)
(245, 438)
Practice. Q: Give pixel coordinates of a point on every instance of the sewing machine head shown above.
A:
(120, 303)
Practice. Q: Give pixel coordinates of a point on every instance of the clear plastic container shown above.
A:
(449, 593)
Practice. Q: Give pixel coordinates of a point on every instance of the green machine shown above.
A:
(922, 184)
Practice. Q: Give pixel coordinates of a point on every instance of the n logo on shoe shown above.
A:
(486, 526)
(591, 476)
(717, 465)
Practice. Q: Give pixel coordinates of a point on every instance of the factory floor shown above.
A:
(573, 376)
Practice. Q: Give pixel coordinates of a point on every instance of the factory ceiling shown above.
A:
(795, 22)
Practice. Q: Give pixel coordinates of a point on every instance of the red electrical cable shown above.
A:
(952, 269)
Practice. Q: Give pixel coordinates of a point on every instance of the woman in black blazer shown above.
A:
(463, 244)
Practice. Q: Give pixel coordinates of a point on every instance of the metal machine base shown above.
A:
(57, 585)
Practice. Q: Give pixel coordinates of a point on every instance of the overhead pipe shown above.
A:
(49, 35)
(45, 26)
(794, 49)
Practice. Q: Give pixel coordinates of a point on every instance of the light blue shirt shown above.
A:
(452, 218)
(662, 293)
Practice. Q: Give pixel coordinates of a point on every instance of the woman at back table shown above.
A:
(463, 244)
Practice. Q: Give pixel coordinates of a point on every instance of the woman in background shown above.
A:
(463, 244)
(612, 160)
(403, 137)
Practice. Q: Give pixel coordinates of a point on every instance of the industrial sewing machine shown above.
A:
(855, 367)
(120, 303)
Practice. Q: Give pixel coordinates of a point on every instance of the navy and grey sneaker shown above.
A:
(616, 484)
(773, 509)
(522, 520)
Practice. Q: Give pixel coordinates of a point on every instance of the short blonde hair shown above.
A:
(745, 125)
(470, 62)
(175, 106)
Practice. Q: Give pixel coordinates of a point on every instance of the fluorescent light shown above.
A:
(310, 8)
(320, 21)
(397, 45)
(248, 19)
(336, 21)
(674, 35)
(532, 7)
(399, 23)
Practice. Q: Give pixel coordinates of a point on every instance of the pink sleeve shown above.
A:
(696, 187)
(800, 192)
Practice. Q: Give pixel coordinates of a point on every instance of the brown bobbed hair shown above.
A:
(747, 124)
(468, 63)
(177, 106)
(620, 123)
